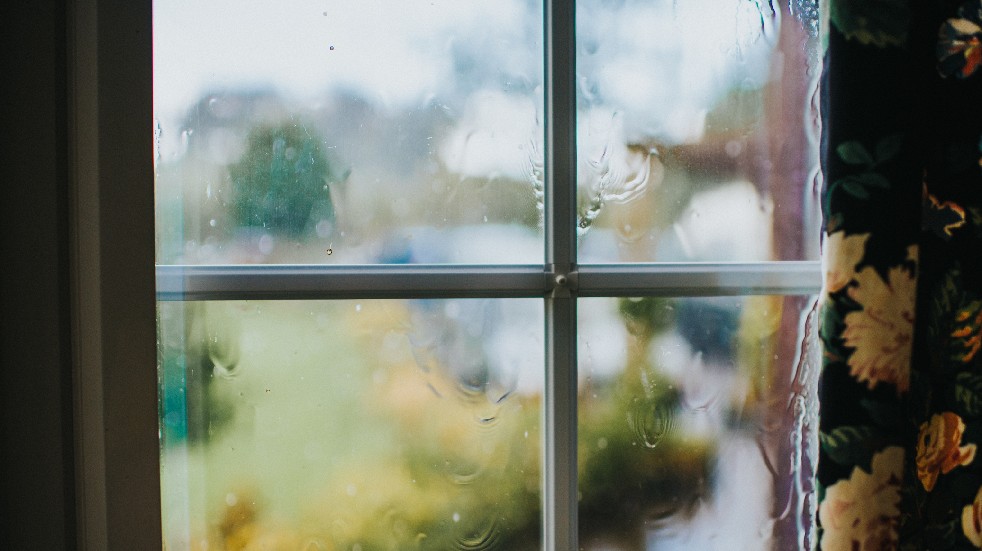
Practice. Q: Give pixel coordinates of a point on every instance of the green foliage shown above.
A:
(967, 394)
(953, 322)
(881, 23)
(859, 184)
(280, 180)
(647, 315)
(852, 445)
(855, 153)
(833, 313)
(944, 300)
(633, 456)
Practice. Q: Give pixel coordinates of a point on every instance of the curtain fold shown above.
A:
(901, 389)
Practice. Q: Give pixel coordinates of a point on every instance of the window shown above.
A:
(591, 261)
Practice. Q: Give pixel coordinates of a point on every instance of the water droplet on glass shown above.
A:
(490, 420)
(533, 166)
(651, 424)
(480, 538)
(266, 243)
(157, 132)
(223, 351)
(621, 174)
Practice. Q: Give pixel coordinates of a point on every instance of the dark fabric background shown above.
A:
(903, 119)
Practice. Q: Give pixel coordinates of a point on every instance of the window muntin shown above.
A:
(559, 401)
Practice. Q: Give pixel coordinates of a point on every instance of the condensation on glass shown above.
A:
(377, 424)
(330, 132)
(697, 130)
(697, 422)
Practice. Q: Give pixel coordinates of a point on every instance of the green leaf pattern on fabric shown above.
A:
(855, 154)
(955, 322)
(879, 23)
(851, 445)
(967, 395)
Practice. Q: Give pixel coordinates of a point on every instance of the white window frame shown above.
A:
(114, 288)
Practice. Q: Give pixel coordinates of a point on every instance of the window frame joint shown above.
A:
(561, 281)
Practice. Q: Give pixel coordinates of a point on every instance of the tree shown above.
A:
(282, 180)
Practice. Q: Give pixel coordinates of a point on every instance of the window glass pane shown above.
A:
(366, 132)
(381, 424)
(695, 423)
(697, 130)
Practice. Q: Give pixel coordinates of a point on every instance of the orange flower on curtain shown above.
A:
(939, 448)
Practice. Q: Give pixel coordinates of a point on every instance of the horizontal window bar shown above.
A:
(289, 282)
(765, 278)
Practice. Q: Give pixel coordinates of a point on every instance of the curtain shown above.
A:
(901, 389)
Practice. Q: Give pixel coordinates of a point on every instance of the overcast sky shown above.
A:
(661, 60)
(390, 51)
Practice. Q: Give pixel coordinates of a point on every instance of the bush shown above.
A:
(281, 180)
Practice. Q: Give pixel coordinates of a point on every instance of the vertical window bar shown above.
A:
(560, 134)
(559, 476)
(559, 469)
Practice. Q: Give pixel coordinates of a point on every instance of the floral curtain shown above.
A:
(901, 390)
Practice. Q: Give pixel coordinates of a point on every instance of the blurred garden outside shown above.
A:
(416, 424)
